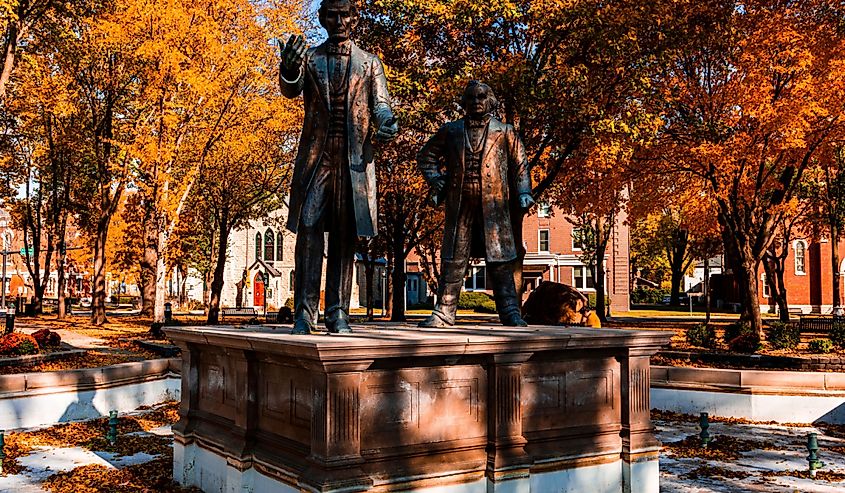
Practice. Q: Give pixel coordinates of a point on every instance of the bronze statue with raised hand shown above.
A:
(477, 166)
(347, 105)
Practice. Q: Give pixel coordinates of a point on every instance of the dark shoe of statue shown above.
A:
(303, 327)
(435, 321)
(513, 319)
(339, 326)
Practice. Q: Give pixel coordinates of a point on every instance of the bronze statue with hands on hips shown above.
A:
(333, 190)
(476, 166)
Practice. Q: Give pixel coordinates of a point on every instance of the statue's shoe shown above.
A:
(339, 326)
(435, 321)
(303, 327)
(513, 320)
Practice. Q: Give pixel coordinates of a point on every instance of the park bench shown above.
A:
(237, 312)
(818, 323)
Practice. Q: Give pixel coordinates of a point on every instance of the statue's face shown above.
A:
(336, 18)
(477, 101)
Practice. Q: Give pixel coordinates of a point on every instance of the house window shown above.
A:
(765, 289)
(280, 247)
(543, 244)
(800, 257)
(476, 280)
(582, 278)
(269, 245)
(257, 246)
(292, 277)
(544, 209)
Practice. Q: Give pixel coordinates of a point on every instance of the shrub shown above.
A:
(592, 299)
(837, 333)
(18, 343)
(289, 303)
(783, 335)
(733, 331)
(650, 296)
(741, 339)
(192, 305)
(702, 335)
(822, 346)
(469, 300)
(47, 338)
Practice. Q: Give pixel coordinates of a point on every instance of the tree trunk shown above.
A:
(745, 266)
(834, 260)
(746, 275)
(149, 259)
(206, 292)
(98, 291)
(773, 266)
(9, 50)
(387, 287)
(219, 267)
(677, 255)
(601, 248)
(398, 276)
(160, 274)
(61, 282)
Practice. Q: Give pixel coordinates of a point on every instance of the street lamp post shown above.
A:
(5, 256)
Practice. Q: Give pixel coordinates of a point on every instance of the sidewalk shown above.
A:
(748, 457)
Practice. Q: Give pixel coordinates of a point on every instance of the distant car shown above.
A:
(683, 298)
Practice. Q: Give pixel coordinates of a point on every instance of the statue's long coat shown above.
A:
(368, 107)
(504, 176)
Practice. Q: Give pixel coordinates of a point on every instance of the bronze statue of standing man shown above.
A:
(477, 165)
(334, 182)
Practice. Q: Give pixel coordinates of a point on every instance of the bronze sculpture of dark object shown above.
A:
(474, 165)
(347, 105)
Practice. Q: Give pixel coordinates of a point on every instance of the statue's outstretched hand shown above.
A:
(526, 200)
(293, 53)
(388, 130)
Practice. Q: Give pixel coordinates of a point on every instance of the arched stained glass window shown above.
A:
(269, 245)
(280, 247)
(800, 255)
(257, 246)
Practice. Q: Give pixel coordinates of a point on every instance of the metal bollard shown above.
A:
(813, 458)
(111, 435)
(168, 312)
(704, 424)
(10, 319)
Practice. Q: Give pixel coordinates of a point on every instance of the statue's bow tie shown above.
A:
(343, 49)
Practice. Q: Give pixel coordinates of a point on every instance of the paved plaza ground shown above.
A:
(743, 457)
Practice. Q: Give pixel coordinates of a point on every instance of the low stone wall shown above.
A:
(42, 398)
(808, 363)
(759, 395)
(34, 359)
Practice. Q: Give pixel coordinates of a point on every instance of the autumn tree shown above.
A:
(749, 100)
(824, 194)
(568, 76)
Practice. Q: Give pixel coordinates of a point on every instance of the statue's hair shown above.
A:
(353, 9)
(492, 100)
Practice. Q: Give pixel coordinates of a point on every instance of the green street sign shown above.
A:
(26, 252)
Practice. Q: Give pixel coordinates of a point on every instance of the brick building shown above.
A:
(808, 276)
(552, 255)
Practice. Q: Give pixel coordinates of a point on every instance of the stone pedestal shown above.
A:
(472, 409)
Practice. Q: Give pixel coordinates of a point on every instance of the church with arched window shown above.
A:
(260, 266)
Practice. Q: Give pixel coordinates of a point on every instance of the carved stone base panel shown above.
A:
(463, 410)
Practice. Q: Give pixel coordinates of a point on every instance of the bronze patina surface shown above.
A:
(333, 190)
(476, 166)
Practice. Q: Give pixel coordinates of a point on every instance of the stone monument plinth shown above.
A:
(466, 409)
